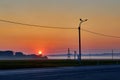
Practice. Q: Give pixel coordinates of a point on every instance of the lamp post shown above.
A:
(79, 31)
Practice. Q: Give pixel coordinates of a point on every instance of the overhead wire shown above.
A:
(33, 25)
(100, 34)
(13, 22)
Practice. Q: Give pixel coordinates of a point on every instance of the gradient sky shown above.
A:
(103, 17)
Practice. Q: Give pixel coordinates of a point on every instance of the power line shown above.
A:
(19, 23)
(13, 22)
(101, 34)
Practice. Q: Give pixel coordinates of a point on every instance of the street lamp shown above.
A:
(79, 30)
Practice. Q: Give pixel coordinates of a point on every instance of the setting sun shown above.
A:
(39, 52)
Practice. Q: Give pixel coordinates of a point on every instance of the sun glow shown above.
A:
(40, 52)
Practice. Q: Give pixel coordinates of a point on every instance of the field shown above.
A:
(18, 64)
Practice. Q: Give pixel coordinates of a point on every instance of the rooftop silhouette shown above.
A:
(12, 55)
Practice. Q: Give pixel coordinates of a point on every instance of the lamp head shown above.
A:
(86, 19)
(83, 20)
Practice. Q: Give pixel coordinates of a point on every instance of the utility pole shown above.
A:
(112, 54)
(79, 32)
(68, 53)
(75, 54)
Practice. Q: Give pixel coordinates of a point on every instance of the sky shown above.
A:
(103, 17)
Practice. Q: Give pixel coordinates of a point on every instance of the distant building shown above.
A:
(32, 56)
(45, 57)
(19, 54)
(6, 53)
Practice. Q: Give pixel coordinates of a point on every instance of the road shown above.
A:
(109, 72)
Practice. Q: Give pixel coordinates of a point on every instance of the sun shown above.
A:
(40, 52)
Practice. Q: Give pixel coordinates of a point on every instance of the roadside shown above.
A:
(21, 64)
(59, 69)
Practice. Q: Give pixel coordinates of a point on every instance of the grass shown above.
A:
(18, 64)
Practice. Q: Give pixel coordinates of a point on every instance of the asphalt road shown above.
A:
(109, 72)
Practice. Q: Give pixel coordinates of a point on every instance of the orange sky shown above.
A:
(103, 17)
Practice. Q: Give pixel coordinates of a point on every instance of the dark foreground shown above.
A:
(20, 64)
(109, 72)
